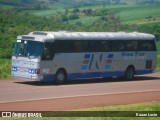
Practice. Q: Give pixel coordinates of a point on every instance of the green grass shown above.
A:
(131, 14)
(158, 47)
(53, 9)
(138, 12)
(5, 68)
(158, 56)
(149, 106)
(158, 63)
(46, 13)
(85, 20)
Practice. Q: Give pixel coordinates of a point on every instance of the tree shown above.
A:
(73, 16)
(66, 11)
(75, 10)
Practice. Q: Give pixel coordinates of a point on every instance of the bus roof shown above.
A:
(63, 35)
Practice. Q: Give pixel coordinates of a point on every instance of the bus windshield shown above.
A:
(30, 49)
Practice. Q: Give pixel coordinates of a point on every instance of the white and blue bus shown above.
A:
(61, 56)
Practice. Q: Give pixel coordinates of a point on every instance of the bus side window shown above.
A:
(108, 46)
(48, 51)
(132, 45)
(100, 46)
(89, 46)
(148, 45)
(78, 46)
(116, 45)
(86, 46)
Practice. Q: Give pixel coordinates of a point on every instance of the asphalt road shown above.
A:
(24, 95)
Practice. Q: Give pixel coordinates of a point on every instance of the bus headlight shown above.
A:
(14, 69)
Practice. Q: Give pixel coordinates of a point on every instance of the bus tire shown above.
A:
(129, 73)
(60, 77)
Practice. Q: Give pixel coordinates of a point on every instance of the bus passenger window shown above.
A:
(132, 45)
(116, 45)
(108, 46)
(78, 46)
(48, 52)
(148, 45)
(100, 46)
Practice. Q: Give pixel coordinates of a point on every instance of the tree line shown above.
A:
(13, 23)
(26, 4)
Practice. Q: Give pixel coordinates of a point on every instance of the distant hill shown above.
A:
(89, 2)
(28, 4)
(76, 2)
(22, 2)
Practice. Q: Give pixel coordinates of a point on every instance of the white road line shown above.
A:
(74, 96)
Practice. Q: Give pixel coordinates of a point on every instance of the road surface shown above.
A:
(20, 95)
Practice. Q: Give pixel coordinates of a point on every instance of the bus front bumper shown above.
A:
(27, 77)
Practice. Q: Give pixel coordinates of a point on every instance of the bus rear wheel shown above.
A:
(129, 74)
(60, 76)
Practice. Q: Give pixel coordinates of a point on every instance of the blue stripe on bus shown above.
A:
(140, 72)
(110, 55)
(91, 62)
(48, 78)
(93, 75)
(87, 56)
(74, 76)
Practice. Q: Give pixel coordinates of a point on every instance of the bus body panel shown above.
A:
(79, 67)
(99, 65)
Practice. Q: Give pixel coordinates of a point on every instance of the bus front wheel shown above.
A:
(129, 74)
(60, 76)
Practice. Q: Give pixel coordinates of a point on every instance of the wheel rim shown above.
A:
(60, 76)
(129, 74)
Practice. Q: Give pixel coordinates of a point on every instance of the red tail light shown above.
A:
(37, 71)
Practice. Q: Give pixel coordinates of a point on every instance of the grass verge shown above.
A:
(158, 56)
(148, 106)
(5, 68)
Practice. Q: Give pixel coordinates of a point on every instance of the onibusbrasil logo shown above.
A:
(21, 114)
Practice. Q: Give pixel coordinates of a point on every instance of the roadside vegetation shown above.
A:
(158, 56)
(97, 18)
(5, 68)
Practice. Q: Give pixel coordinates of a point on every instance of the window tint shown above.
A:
(117, 45)
(48, 51)
(80, 46)
(101, 46)
(73, 46)
(132, 45)
(147, 45)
